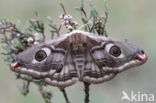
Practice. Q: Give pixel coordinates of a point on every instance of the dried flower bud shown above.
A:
(2, 30)
(61, 16)
(67, 21)
(30, 39)
(67, 17)
(36, 43)
(36, 36)
(75, 23)
(69, 27)
(18, 34)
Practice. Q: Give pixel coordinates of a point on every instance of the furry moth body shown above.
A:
(78, 56)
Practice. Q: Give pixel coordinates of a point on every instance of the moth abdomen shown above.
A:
(79, 61)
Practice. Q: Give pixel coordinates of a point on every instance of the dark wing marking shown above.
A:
(66, 77)
(95, 74)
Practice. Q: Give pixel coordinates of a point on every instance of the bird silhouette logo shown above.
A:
(125, 96)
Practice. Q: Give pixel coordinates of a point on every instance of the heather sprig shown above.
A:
(15, 40)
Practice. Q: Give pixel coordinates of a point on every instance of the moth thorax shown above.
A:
(78, 43)
(79, 61)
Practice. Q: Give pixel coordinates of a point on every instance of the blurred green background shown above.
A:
(131, 19)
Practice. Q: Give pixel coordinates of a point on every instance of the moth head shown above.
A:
(37, 61)
(118, 55)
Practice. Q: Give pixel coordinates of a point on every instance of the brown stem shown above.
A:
(46, 95)
(57, 30)
(43, 35)
(86, 90)
(86, 18)
(92, 27)
(65, 95)
(5, 38)
(64, 10)
(26, 85)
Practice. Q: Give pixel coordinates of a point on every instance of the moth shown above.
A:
(78, 56)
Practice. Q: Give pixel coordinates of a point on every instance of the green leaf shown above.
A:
(82, 3)
(61, 5)
(7, 60)
(47, 100)
(106, 5)
(5, 21)
(18, 25)
(52, 26)
(31, 22)
(6, 48)
(49, 19)
(60, 27)
(52, 34)
(93, 10)
(126, 40)
(77, 8)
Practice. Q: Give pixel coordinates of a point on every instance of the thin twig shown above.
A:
(86, 90)
(85, 14)
(42, 32)
(65, 95)
(43, 35)
(57, 30)
(64, 10)
(92, 27)
(46, 95)
(6, 39)
(26, 85)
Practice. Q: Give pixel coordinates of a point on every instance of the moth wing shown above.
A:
(95, 74)
(95, 71)
(67, 75)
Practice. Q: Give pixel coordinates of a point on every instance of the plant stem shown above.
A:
(86, 90)
(65, 95)
(46, 95)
